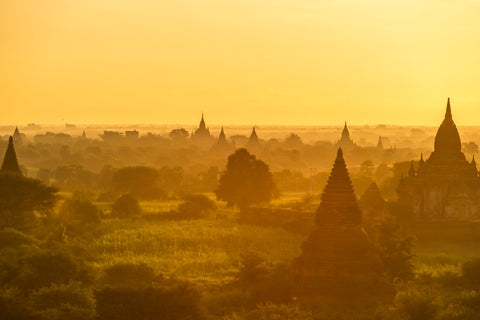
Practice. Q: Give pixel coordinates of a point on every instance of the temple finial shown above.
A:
(448, 113)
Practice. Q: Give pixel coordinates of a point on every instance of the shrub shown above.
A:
(51, 266)
(178, 302)
(195, 206)
(126, 207)
(142, 182)
(129, 275)
(471, 270)
(63, 301)
(78, 211)
(416, 305)
(272, 311)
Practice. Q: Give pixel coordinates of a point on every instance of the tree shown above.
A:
(20, 196)
(195, 206)
(141, 182)
(245, 181)
(178, 134)
(79, 210)
(126, 207)
(470, 147)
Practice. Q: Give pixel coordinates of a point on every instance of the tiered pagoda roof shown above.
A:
(10, 163)
(339, 203)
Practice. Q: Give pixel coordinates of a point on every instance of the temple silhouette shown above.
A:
(10, 163)
(338, 257)
(446, 185)
(202, 134)
(345, 141)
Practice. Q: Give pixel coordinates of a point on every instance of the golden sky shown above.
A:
(309, 62)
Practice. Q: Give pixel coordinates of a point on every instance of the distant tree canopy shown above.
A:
(178, 134)
(141, 182)
(245, 181)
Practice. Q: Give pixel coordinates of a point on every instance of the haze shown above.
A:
(240, 62)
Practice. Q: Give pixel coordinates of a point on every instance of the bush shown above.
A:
(416, 305)
(64, 301)
(126, 207)
(11, 238)
(142, 182)
(272, 311)
(195, 206)
(51, 266)
(178, 302)
(78, 211)
(129, 275)
(471, 270)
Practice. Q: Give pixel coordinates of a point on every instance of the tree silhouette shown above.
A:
(20, 196)
(245, 181)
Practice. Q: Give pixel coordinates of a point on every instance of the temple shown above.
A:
(253, 141)
(380, 143)
(222, 139)
(10, 163)
(345, 141)
(446, 185)
(338, 257)
(202, 133)
(17, 136)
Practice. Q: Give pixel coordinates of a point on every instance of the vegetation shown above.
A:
(246, 181)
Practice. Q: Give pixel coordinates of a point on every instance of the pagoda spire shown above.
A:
(222, 139)
(411, 172)
(10, 163)
(448, 113)
(447, 140)
(338, 203)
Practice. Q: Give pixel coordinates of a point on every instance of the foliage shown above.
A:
(78, 210)
(178, 134)
(416, 305)
(63, 301)
(43, 267)
(395, 249)
(195, 206)
(141, 182)
(129, 275)
(245, 181)
(270, 311)
(471, 270)
(180, 301)
(19, 193)
(126, 207)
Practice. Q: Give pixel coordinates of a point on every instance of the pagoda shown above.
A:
(17, 136)
(380, 143)
(222, 139)
(446, 185)
(345, 141)
(253, 141)
(10, 163)
(338, 258)
(202, 133)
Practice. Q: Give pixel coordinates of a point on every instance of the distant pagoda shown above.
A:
(17, 136)
(253, 141)
(10, 163)
(380, 143)
(446, 186)
(337, 258)
(345, 141)
(202, 134)
(222, 139)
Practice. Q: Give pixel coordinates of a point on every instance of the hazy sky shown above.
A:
(239, 61)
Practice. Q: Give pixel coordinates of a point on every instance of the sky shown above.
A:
(297, 62)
